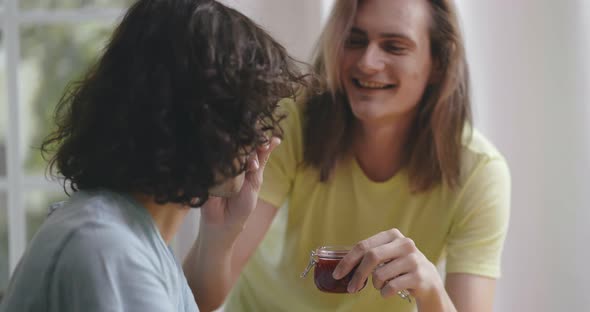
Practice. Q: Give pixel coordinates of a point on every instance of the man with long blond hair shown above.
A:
(386, 160)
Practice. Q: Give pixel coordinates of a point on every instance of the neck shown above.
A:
(380, 149)
(167, 217)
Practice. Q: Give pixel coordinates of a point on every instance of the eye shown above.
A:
(394, 48)
(355, 41)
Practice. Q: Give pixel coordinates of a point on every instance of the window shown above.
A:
(71, 4)
(44, 44)
(3, 242)
(3, 182)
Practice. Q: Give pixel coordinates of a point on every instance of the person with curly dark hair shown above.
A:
(179, 112)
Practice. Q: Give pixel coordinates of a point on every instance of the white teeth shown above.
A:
(371, 84)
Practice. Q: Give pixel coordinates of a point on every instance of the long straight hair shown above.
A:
(435, 142)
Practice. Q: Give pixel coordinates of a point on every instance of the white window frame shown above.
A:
(17, 182)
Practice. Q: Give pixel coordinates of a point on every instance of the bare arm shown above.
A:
(213, 266)
(471, 292)
(226, 224)
(256, 228)
(464, 293)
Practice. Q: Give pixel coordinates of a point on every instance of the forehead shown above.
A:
(408, 17)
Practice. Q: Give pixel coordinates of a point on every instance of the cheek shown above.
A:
(424, 69)
(417, 75)
(346, 63)
(417, 79)
(415, 67)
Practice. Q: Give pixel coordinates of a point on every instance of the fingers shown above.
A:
(361, 249)
(394, 262)
(265, 150)
(400, 248)
(371, 260)
(258, 160)
(388, 271)
(399, 283)
(253, 163)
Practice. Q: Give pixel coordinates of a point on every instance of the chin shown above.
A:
(364, 110)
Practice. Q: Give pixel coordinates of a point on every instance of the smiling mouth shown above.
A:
(371, 84)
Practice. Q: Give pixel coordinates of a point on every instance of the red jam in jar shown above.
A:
(325, 260)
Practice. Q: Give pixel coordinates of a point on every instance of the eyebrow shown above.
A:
(356, 30)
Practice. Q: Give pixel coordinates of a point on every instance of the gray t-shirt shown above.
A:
(98, 251)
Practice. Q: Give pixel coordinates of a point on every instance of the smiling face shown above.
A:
(386, 62)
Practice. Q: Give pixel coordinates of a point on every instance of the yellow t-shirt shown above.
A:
(467, 226)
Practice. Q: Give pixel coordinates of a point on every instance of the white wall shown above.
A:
(529, 60)
(531, 82)
(295, 24)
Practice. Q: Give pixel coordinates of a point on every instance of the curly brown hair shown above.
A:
(183, 89)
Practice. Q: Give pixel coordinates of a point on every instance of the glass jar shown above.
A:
(325, 259)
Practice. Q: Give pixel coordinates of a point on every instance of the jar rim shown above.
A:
(334, 251)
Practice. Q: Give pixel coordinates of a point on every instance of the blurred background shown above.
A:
(531, 85)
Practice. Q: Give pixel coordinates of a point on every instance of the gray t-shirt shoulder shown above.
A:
(99, 251)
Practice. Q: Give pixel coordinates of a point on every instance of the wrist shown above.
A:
(215, 243)
(435, 299)
(219, 235)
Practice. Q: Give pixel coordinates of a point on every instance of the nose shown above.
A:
(371, 60)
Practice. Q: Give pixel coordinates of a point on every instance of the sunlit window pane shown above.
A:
(51, 57)
(73, 4)
(3, 241)
(3, 108)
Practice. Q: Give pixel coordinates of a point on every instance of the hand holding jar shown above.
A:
(396, 266)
